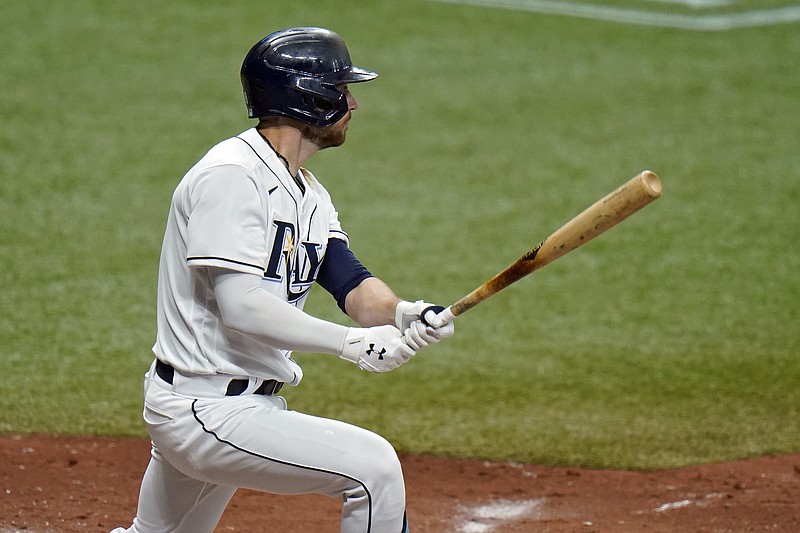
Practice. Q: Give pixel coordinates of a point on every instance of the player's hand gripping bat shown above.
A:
(597, 218)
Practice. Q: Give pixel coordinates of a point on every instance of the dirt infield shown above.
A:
(80, 484)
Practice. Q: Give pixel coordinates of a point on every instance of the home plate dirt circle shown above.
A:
(80, 484)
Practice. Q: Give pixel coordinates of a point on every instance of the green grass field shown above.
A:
(671, 340)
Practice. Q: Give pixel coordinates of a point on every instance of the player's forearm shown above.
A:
(248, 309)
(372, 303)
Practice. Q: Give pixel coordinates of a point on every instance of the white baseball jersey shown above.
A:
(238, 208)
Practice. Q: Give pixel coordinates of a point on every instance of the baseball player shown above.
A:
(249, 232)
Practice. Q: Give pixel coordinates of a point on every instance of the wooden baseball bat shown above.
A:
(607, 212)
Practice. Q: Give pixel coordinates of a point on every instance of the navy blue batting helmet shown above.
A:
(294, 73)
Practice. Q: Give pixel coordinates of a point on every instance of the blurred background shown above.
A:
(671, 340)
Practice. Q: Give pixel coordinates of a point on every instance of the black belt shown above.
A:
(235, 387)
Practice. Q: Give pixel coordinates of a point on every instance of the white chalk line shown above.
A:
(673, 505)
(698, 4)
(680, 504)
(721, 22)
(484, 518)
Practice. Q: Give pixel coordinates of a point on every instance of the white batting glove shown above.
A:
(407, 312)
(417, 333)
(376, 349)
(420, 335)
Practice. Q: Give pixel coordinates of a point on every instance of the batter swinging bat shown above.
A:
(597, 218)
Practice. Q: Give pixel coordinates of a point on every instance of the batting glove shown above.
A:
(407, 312)
(420, 335)
(416, 333)
(376, 349)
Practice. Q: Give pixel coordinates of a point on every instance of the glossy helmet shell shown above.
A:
(295, 73)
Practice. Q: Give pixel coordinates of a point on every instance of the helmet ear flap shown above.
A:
(328, 102)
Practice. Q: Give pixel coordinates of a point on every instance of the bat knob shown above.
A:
(436, 309)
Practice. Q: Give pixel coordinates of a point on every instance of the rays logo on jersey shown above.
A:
(300, 263)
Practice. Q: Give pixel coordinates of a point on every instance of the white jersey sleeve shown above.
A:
(227, 223)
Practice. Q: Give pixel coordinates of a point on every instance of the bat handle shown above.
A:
(440, 317)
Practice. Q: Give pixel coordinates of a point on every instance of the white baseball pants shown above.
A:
(205, 448)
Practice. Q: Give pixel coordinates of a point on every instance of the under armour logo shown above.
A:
(372, 350)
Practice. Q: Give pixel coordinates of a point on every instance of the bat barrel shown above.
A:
(651, 183)
(604, 214)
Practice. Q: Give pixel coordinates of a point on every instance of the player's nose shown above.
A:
(352, 105)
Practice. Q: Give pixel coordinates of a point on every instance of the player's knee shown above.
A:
(383, 465)
(382, 479)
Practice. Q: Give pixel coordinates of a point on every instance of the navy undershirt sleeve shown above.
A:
(340, 271)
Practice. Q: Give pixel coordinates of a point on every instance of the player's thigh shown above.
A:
(259, 444)
(172, 501)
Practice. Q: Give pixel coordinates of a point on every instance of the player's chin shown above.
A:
(335, 136)
(329, 136)
(334, 143)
